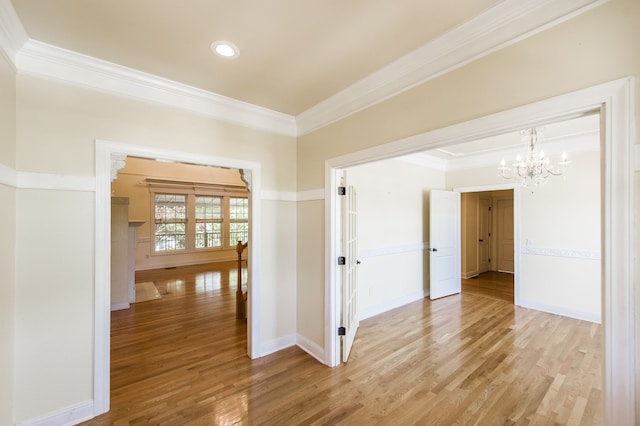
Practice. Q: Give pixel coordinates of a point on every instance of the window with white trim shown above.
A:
(170, 222)
(192, 217)
(238, 220)
(208, 221)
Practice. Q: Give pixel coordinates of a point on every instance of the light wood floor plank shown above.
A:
(467, 359)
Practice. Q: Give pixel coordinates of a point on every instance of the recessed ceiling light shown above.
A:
(225, 49)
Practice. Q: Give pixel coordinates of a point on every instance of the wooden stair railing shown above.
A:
(241, 297)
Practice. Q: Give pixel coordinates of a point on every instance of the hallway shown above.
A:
(498, 285)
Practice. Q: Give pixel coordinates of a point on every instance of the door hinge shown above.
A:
(342, 331)
(342, 190)
(489, 208)
(489, 260)
(342, 260)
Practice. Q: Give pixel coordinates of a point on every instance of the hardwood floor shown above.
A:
(491, 284)
(464, 359)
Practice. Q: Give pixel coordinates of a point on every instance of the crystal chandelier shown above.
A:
(535, 168)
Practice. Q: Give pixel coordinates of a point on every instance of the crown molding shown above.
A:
(498, 27)
(12, 33)
(54, 63)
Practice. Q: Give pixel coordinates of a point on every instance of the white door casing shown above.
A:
(444, 253)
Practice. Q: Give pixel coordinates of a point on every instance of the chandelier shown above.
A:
(535, 168)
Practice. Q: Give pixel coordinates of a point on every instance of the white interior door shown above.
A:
(349, 282)
(505, 235)
(444, 233)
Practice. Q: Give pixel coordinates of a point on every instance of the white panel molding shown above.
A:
(310, 347)
(54, 63)
(615, 102)
(560, 310)
(311, 195)
(506, 23)
(12, 33)
(561, 252)
(392, 304)
(71, 415)
(278, 195)
(30, 180)
(390, 250)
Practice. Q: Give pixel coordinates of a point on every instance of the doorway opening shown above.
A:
(111, 157)
(488, 234)
(613, 102)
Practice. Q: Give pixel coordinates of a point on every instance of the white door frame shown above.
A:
(615, 102)
(110, 157)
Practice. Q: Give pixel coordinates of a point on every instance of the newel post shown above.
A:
(241, 298)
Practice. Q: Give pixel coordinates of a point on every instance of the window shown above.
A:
(238, 220)
(170, 222)
(198, 218)
(208, 222)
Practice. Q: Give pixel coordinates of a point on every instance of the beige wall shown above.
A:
(469, 234)
(7, 240)
(57, 126)
(310, 300)
(54, 300)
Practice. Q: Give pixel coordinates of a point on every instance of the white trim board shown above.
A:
(615, 101)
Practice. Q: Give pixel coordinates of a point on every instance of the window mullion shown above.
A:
(191, 222)
(225, 222)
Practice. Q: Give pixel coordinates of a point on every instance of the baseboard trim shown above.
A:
(71, 415)
(276, 345)
(311, 348)
(562, 311)
(120, 306)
